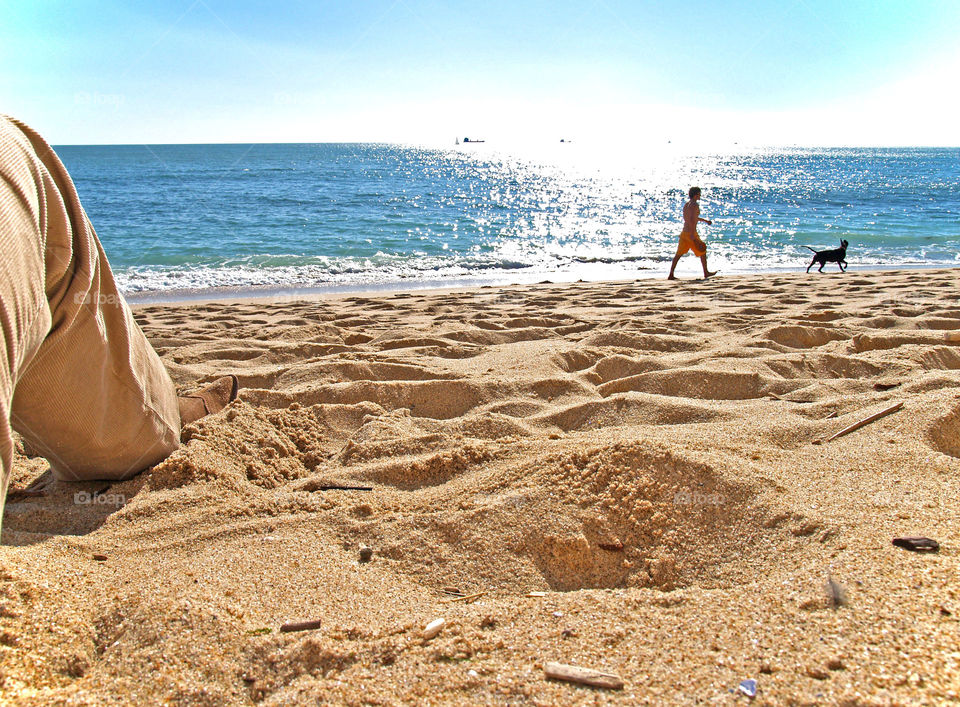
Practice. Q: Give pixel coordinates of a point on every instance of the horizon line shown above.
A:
(834, 146)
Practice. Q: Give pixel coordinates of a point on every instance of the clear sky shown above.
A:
(816, 72)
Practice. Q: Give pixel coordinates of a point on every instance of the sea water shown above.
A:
(174, 218)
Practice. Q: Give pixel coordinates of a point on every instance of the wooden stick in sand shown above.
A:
(584, 676)
(865, 421)
(344, 488)
(466, 597)
(299, 626)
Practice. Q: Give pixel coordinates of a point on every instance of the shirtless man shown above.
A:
(689, 239)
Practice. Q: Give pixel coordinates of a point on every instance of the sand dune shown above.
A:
(647, 454)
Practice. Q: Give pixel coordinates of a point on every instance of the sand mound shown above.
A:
(641, 342)
(699, 383)
(816, 366)
(944, 434)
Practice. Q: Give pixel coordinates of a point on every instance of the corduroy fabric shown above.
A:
(78, 379)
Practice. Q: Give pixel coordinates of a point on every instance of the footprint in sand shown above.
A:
(803, 337)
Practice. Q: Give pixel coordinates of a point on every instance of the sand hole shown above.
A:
(803, 337)
(628, 409)
(938, 323)
(624, 515)
(940, 358)
(699, 383)
(642, 342)
(822, 366)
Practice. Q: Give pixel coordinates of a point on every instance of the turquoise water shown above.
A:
(175, 217)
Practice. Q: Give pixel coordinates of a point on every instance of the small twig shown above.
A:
(344, 488)
(299, 626)
(468, 597)
(866, 421)
(584, 676)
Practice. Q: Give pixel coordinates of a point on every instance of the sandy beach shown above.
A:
(648, 458)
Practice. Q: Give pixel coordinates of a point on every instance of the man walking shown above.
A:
(689, 238)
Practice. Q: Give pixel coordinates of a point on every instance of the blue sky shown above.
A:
(790, 72)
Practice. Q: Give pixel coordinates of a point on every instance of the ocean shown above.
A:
(206, 218)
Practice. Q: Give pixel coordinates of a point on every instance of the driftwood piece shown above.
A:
(917, 544)
(584, 676)
(299, 626)
(865, 421)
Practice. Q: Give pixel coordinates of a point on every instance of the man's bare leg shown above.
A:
(673, 266)
(706, 273)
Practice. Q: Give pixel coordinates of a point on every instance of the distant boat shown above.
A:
(466, 139)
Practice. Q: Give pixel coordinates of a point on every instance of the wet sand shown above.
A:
(648, 455)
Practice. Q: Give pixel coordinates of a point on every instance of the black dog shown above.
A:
(837, 255)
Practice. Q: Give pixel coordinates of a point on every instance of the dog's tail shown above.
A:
(809, 248)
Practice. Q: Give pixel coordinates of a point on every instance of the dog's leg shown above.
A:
(821, 266)
(811, 264)
(841, 264)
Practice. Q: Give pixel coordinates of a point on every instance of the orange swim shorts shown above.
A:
(691, 241)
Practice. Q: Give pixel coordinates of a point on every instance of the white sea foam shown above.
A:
(157, 279)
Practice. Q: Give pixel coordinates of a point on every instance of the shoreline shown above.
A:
(272, 294)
